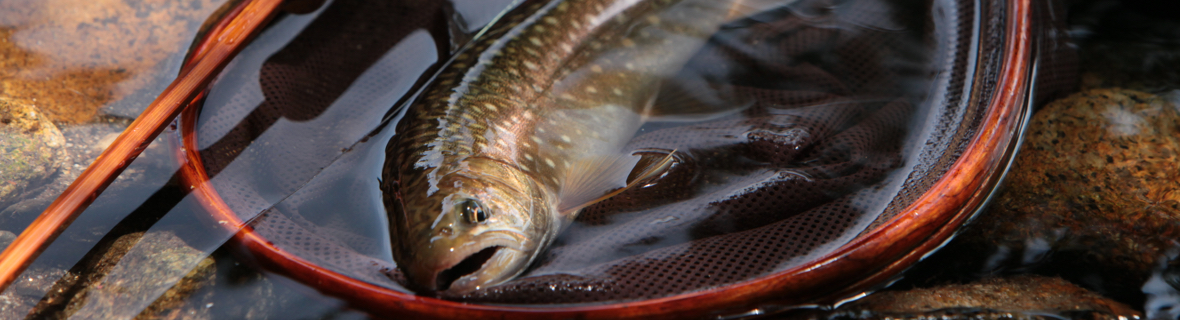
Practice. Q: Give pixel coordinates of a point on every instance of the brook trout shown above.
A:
(525, 127)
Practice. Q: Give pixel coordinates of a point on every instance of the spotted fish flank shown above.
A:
(525, 127)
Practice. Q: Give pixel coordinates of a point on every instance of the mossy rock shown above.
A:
(32, 149)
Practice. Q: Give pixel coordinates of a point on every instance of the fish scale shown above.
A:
(521, 126)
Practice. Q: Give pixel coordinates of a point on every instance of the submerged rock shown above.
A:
(107, 285)
(31, 150)
(1018, 297)
(1092, 197)
(28, 290)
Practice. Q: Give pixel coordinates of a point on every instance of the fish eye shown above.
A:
(472, 211)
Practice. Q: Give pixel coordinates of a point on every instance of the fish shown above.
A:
(525, 126)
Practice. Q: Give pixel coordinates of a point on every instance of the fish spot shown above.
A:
(525, 168)
(596, 68)
(536, 139)
(566, 96)
(528, 157)
(562, 6)
(591, 89)
(567, 47)
(536, 41)
(629, 66)
(575, 24)
(628, 43)
(565, 163)
(539, 28)
(565, 138)
(551, 20)
(550, 163)
(490, 106)
(617, 91)
(532, 52)
(530, 65)
(540, 130)
(654, 20)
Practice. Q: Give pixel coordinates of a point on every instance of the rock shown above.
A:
(27, 291)
(76, 59)
(1018, 297)
(1092, 196)
(160, 257)
(6, 238)
(31, 150)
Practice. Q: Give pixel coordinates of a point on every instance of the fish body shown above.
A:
(524, 127)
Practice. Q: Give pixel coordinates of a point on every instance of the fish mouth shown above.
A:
(467, 266)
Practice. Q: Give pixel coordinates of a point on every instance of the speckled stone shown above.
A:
(129, 270)
(1018, 297)
(31, 150)
(1097, 174)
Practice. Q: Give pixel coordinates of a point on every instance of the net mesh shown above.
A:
(859, 106)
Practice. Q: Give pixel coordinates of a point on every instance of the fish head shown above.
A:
(482, 226)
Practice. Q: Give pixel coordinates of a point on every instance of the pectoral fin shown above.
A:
(597, 178)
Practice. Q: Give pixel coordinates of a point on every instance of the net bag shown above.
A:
(876, 128)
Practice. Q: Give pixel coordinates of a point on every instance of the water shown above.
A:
(341, 129)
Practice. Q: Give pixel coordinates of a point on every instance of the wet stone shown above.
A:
(104, 286)
(27, 290)
(1018, 297)
(1092, 196)
(31, 150)
(77, 59)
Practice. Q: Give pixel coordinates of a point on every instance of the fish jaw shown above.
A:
(502, 264)
(471, 265)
